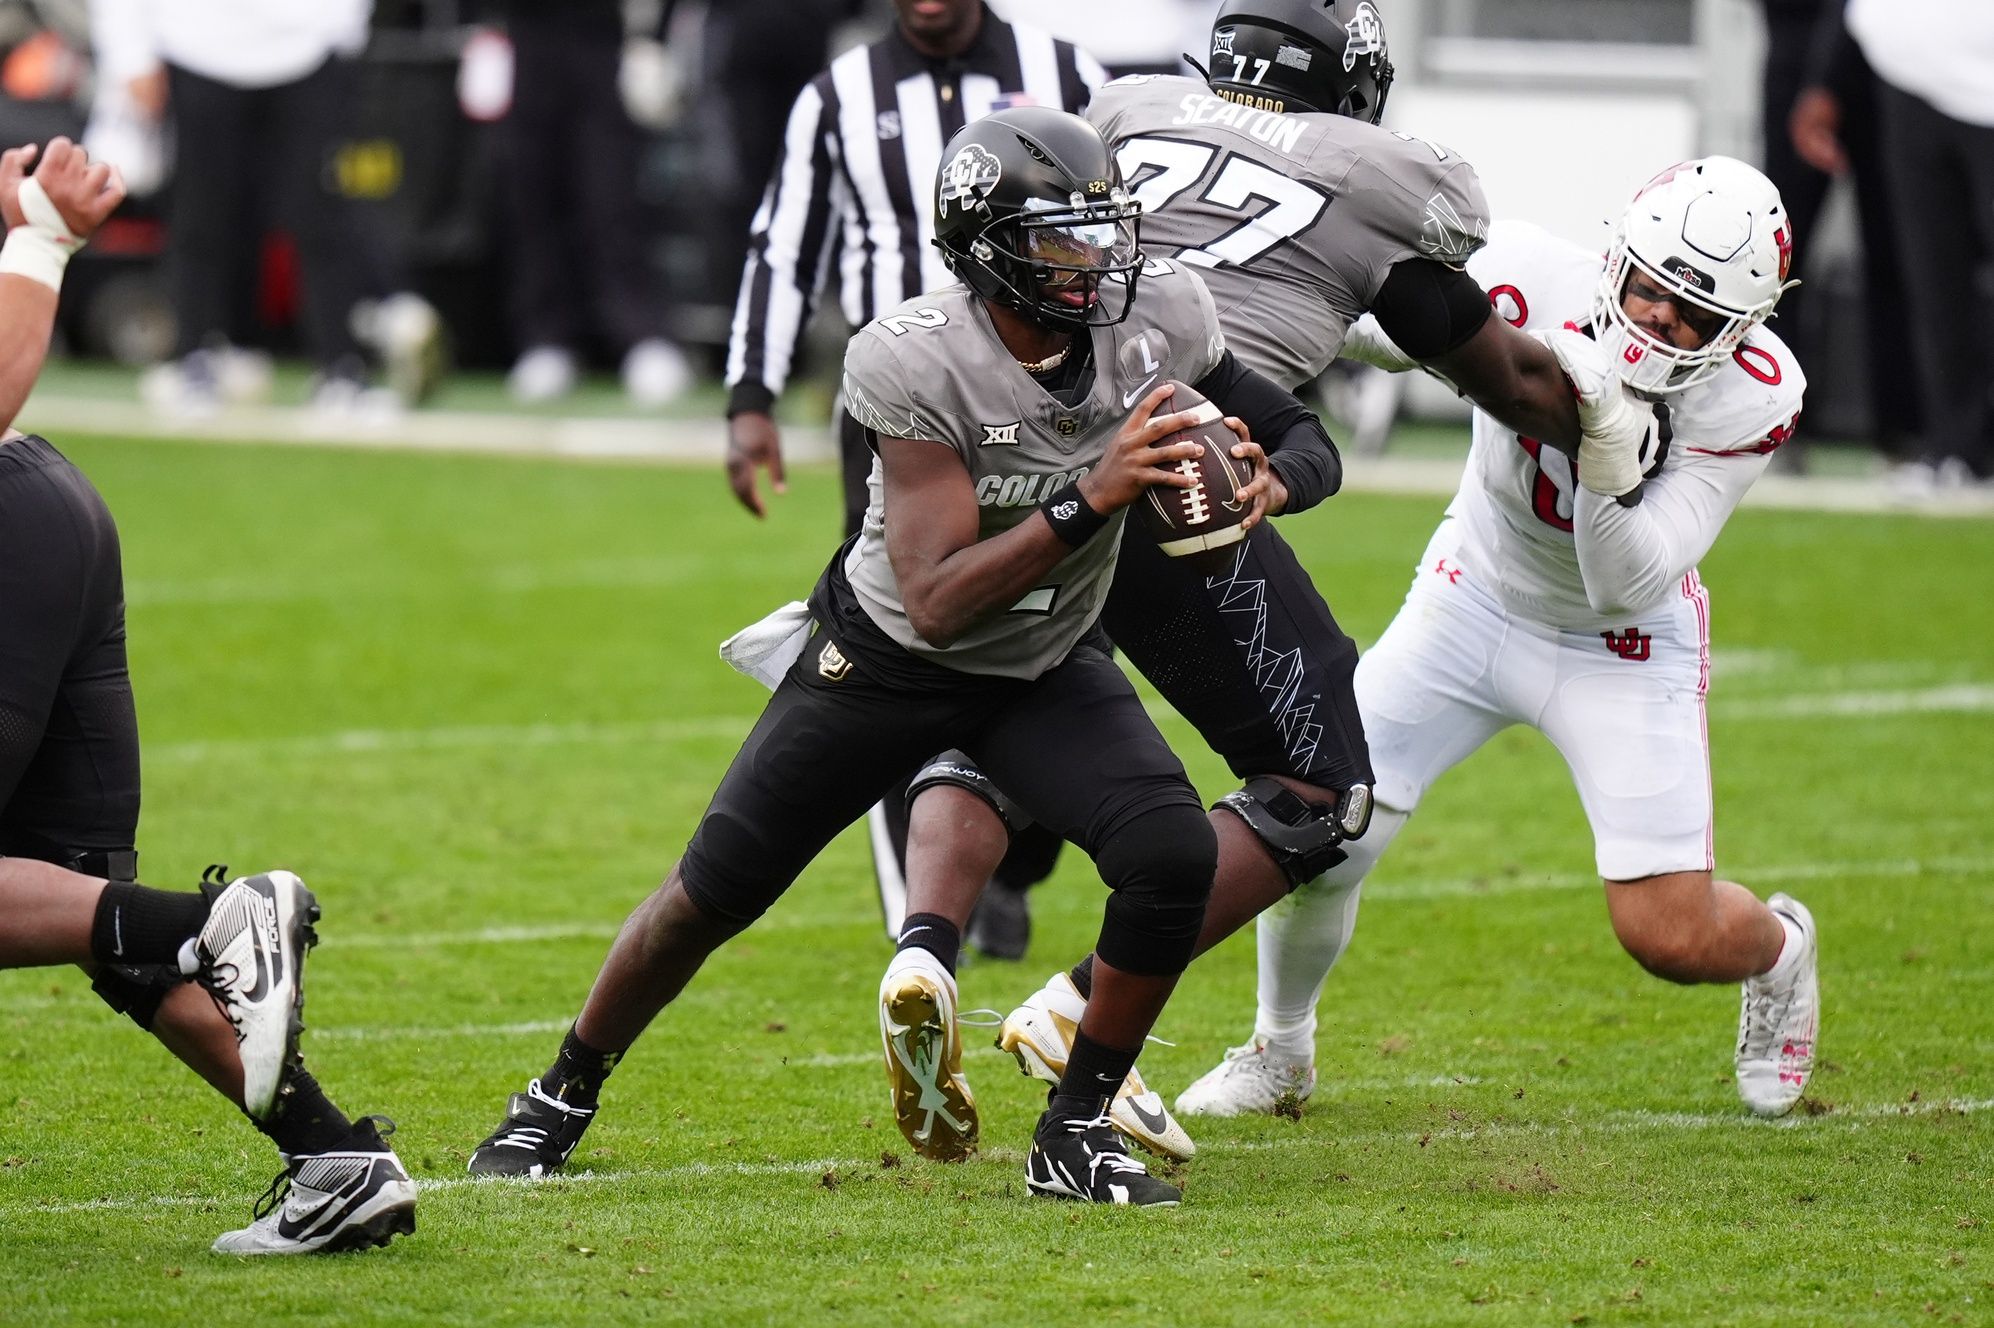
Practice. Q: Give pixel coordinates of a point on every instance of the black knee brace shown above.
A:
(1160, 867)
(1304, 837)
(956, 768)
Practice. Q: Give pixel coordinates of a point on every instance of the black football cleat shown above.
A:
(1084, 1158)
(535, 1139)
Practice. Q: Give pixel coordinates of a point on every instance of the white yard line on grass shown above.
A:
(1620, 1122)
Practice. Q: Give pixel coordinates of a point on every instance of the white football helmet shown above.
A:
(1714, 234)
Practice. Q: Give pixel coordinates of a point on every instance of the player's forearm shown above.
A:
(1631, 557)
(946, 598)
(27, 316)
(1297, 446)
(1519, 382)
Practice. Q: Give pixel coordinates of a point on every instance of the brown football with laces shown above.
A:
(1202, 522)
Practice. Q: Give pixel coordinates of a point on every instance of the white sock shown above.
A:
(1789, 950)
(1301, 938)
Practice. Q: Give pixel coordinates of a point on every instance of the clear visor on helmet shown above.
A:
(1103, 245)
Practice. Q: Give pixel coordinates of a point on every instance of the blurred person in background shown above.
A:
(1130, 37)
(1935, 63)
(574, 86)
(214, 974)
(1820, 123)
(851, 187)
(757, 56)
(257, 102)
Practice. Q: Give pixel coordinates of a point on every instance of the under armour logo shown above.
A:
(1630, 645)
(1453, 574)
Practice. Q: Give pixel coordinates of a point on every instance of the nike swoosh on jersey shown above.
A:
(1128, 397)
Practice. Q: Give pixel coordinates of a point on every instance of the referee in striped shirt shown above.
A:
(852, 184)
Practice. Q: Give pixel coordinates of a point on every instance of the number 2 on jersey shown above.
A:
(1177, 166)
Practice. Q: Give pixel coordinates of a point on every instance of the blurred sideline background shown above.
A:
(1564, 106)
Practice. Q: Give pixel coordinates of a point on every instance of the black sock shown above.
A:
(1082, 974)
(1093, 1071)
(139, 925)
(578, 1071)
(306, 1120)
(935, 934)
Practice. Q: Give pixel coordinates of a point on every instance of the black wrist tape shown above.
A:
(1070, 516)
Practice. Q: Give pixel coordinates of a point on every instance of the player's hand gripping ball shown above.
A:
(1201, 523)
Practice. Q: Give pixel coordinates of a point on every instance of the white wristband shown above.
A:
(39, 250)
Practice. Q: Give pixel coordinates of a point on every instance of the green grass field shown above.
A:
(475, 703)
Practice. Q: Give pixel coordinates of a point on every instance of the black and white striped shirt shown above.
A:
(854, 179)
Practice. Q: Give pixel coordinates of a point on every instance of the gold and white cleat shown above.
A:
(932, 1103)
(1039, 1033)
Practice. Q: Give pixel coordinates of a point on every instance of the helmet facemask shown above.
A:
(1072, 264)
(1647, 363)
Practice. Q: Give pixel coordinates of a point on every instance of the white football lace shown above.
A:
(1113, 1157)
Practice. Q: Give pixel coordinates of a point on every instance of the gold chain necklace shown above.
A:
(1049, 363)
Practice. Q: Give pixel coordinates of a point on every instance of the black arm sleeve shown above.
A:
(1428, 308)
(1297, 445)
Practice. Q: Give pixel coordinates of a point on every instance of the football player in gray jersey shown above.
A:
(1272, 180)
(1014, 418)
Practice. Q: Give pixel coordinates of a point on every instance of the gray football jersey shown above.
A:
(934, 370)
(1292, 220)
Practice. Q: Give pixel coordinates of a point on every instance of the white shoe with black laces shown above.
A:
(1251, 1079)
(535, 1138)
(351, 1198)
(1084, 1158)
(1039, 1034)
(250, 956)
(1777, 1021)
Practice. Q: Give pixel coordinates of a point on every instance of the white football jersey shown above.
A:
(1519, 499)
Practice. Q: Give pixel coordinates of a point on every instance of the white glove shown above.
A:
(1622, 438)
(1367, 341)
(650, 82)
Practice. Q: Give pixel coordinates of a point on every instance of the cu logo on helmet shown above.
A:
(972, 172)
(1363, 35)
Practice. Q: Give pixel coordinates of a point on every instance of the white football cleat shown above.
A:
(250, 956)
(1777, 1021)
(407, 333)
(1249, 1080)
(543, 373)
(322, 1203)
(932, 1103)
(656, 373)
(1039, 1033)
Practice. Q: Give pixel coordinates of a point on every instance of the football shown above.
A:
(1200, 523)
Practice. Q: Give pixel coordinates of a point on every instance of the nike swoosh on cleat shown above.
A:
(1156, 1122)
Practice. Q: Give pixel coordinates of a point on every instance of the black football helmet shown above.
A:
(1302, 55)
(1030, 212)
